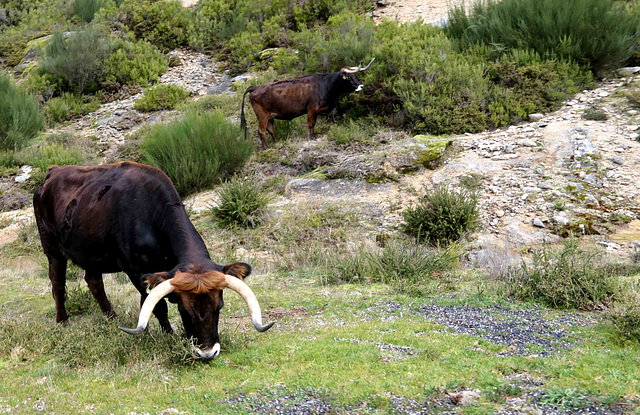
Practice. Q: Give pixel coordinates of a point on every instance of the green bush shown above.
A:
(138, 63)
(411, 268)
(241, 204)
(86, 9)
(536, 84)
(442, 215)
(20, 118)
(67, 106)
(626, 321)
(597, 34)
(161, 97)
(197, 151)
(50, 154)
(569, 278)
(346, 40)
(165, 24)
(77, 59)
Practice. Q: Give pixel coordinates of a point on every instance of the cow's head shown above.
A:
(348, 74)
(199, 297)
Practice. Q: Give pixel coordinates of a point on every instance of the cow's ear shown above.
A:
(239, 270)
(153, 280)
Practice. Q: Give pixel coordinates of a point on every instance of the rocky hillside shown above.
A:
(555, 175)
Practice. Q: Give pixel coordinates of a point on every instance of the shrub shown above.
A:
(78, 60)
(161, 97)
(165, 24)
(50, 154)
(138, 63)
(67, 106)
(566, 278)
(536, 84)
(626, 321)
(86, 9)
(442, 215)
(597, 34)
(411, 268)
(20, 119)
(241, 204)
(196, 151)
(594, 114)
(348, 132)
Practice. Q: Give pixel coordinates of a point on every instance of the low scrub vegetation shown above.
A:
(20, 118)
(569, 278)
(196, 151)
(442, 215)
(161, 97)
(240, 204)
(597, 34)
(410, 268)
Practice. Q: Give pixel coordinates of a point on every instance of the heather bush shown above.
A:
(410, 268)
(77, 59)
(86, 9)
(20, 118)
(569, 277)
(442, 215)
(196, 151)
(134, 63)
(240, 204)
(597, 34)
(161, 97)
(50, 154)
(165, 24)
(67, 106)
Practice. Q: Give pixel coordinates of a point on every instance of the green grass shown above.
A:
(318, 327)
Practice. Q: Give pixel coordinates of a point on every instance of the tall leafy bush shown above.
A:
(597, 34)
(165, 24)
(134, 63)
(442, 215)
(197, 151)
(77, 59)
(20, 118)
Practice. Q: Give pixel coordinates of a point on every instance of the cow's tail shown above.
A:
(243, 121)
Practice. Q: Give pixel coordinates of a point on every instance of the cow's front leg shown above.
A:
(58, 277)
(311, 123)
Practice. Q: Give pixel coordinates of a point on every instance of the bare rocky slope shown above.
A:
(555, 175)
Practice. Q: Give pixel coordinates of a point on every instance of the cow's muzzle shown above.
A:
(206, 354)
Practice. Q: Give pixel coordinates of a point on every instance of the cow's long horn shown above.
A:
(354, 69)
(149, 304)
(252, 302)
(367, 67)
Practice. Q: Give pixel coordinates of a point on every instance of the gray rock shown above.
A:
(538, 223)
(536, 117)
(629, 70)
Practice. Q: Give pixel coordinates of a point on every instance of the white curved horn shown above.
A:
(252, 302)
(149, 304)
(367, 67)
(354, 69)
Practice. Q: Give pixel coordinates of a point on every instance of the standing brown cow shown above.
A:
(291, 98)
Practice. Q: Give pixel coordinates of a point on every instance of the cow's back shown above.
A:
(108, 217)
(289, 98)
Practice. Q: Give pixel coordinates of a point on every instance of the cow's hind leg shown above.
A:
(271, 129)
(96, 286)
(58, 277)
(263, 124)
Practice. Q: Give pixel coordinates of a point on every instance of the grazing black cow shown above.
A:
(291, 98)
(128, 217)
